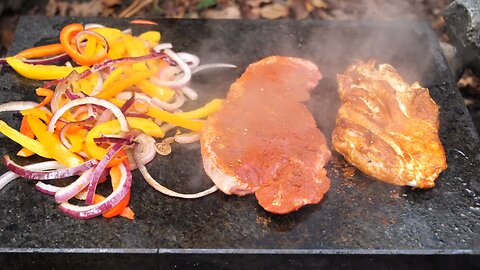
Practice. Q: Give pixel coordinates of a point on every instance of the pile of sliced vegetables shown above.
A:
(102, 118)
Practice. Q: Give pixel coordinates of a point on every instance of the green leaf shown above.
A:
(203, 4)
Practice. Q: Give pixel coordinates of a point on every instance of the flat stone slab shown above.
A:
(359, 219)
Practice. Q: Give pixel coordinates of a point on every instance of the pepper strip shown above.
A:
(44, 92)
(29, 143)
(27, 131)
(115, 176)
(204, 111)
(41, 72)
(66, 35)
(42, 51)
(166, 116)
(113, 127)
(163, 93)
(52, 144)
(118, 87)
(174, 119)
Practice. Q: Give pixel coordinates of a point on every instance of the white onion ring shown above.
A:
(162, 46)
(212, 66)
(47, 165)
(185, 138)
(189, 92)
(152, 182)
(89, 100)
(177, 103)
(188, 57)
(187, 73)
(17, 106)
(98, 87)
(93, 25)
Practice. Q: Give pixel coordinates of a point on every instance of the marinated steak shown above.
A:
(265, 140)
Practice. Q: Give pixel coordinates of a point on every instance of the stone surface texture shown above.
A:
(358, 220)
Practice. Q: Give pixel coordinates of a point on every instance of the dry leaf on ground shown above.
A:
(274, 11)
(229, 12)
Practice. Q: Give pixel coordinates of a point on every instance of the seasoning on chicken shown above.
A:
(265, 140)
(387, 128)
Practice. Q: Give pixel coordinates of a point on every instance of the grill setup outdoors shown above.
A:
(360, 221)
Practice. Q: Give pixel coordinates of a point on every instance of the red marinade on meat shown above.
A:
(265, 140)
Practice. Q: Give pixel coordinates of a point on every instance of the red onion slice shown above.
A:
(61, 88)
(145, 147)
(46, 175)
(109, 63)
(17, 106)
(89, 100)
(152, 182)
(82, 34)
(47, 165)
(47, 188)
(90, 211)
(109, 139)
(187, 74)
(99, 170)
(68, 192)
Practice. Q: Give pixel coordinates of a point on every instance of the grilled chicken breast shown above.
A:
(265, 140)
(387, 128)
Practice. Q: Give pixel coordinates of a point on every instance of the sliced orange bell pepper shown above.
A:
(42, 51)
(27, 131)
(44, 92)
(66, 35)
(52, 143)
(128, 213)
(119, 208)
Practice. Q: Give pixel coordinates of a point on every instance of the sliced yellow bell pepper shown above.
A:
(113, 127)
(91, 47)
(152, 37)
(76, 140)
(39, 113)
(174, 119)
(41, 72)
(204, 111)
(52, 143)
(166, 116)
(135, 46)
(118, 87)
(110, 34)
(29, 143)
(113, 76)
(163, 93)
